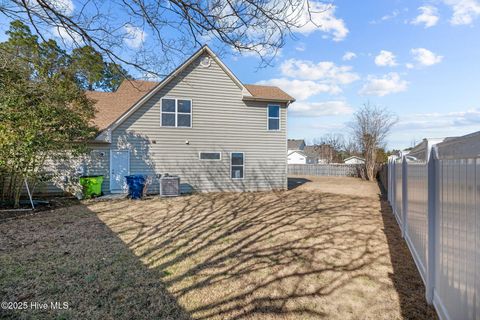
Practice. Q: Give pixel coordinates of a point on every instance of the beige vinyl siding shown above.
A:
(221, 122)
(97, 163)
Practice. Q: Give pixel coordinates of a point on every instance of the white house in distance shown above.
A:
(354, 160)
(297, 157)
(295, 153)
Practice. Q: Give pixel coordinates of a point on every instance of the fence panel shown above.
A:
(441, 218)
(332, 169)
(416, 231)
(398, 192)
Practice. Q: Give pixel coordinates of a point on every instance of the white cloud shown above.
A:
(425, 57)
(321, 109)
(464, 11)
(384, 85)
(300, 47)
(325, 71)
(349, 56)
(302, 89)
(390, 16)
(66, 36)
(134, 36)
(66, 7)
(385, 59)
(322, 18)
(470, 117)
(261, 50)
(428, 16)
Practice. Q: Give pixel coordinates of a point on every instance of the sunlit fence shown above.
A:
(434, 192)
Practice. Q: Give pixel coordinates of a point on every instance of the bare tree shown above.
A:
(174, 28)
(335, 140)
(352, 147)
(370, 127)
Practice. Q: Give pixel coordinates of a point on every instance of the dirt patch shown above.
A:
(299, 254)
(337, 185)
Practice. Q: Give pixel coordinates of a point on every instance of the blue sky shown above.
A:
(419, 59)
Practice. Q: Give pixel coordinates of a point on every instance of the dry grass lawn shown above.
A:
(299, 254)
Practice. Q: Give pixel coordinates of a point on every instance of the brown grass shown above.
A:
(301, 254)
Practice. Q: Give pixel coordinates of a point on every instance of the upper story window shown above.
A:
(176, 113)
(273, 117)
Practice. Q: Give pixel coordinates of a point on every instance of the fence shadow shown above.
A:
(405, 276)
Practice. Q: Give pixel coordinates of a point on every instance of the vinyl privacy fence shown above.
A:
(331, 169)
(434, 192)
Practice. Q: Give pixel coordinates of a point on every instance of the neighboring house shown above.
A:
(354, 160)
(295, 144)
(295, 154)
(296, 157)
(200, 123)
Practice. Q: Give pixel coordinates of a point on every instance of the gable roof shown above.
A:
(300, 152)
(295, 144)
(111, 105)
(113, 120)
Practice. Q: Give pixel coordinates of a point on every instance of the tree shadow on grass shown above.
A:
(268, 255)
(69, 255)
(299, 255)
(405, 277)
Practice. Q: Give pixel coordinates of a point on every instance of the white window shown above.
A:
(210, 156)
(237, 165)
(176, 113)
(273, 117)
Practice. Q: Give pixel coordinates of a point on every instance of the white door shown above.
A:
(119, 168)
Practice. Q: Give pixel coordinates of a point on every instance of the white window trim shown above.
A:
(279, 117)
(176, 113)
(200, 158)
(237, 165)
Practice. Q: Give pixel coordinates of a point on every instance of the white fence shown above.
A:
(331, 169)
(434, 192)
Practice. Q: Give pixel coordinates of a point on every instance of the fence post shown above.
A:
(404, 196)
(431, 221)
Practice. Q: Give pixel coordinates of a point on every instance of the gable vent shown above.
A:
(206, 62)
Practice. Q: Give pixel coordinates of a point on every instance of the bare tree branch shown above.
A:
(174, 27)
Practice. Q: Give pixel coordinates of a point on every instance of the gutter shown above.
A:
(246, 98)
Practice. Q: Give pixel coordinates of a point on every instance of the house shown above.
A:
(295, 154)
(295, 144)
(296, 157)
(200, 123)
(354, 160)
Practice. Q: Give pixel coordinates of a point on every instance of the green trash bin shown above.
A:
(92, 186)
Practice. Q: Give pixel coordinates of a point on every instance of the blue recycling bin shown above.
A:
(135, 183)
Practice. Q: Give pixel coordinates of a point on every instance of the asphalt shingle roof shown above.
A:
(268, 92)
(112, 105)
